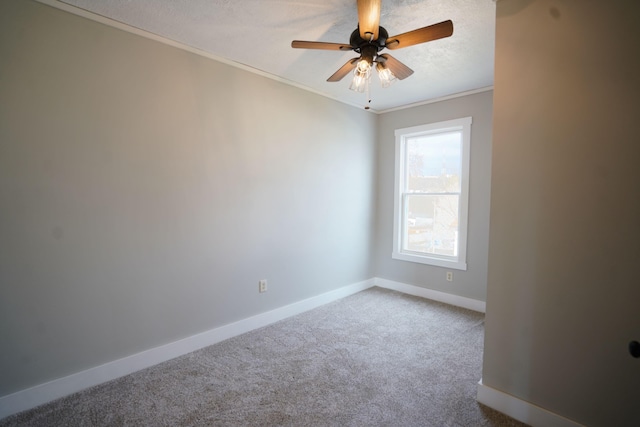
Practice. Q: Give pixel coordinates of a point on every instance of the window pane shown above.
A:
(434, 163)
(431, 224)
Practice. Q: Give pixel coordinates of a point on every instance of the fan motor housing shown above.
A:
(357, 42)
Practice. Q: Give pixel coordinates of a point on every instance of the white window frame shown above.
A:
(458, 262)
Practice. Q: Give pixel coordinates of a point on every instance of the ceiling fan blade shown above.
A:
(344, 70)
(369, 18)
(398, 69)
(421, 35)
(299, 44)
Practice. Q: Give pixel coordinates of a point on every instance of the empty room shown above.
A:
(349, 213)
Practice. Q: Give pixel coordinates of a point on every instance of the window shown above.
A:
(432, 193)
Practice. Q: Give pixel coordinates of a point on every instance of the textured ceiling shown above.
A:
(258, 34)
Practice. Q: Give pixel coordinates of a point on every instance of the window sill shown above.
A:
(423, 259)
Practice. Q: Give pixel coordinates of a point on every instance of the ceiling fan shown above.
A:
(368, 39)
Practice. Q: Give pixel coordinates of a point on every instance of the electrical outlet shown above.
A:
(262, 285)
(449, 276)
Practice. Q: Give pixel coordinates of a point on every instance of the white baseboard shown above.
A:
(43, 393)
(521, 410)
(458, 301)
(46, 392)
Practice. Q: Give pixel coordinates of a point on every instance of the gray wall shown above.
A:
(471, 283)
(562, 301)
(145, 190)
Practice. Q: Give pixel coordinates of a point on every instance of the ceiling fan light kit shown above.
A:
(385, 75)
(361, 76)
(368, 39)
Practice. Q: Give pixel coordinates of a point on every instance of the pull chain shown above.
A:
(366, 107)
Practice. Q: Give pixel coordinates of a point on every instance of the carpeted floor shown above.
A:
(376, 358)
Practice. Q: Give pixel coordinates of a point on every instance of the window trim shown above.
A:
(401, 135)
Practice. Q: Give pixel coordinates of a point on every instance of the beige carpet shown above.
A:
(377, 358)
